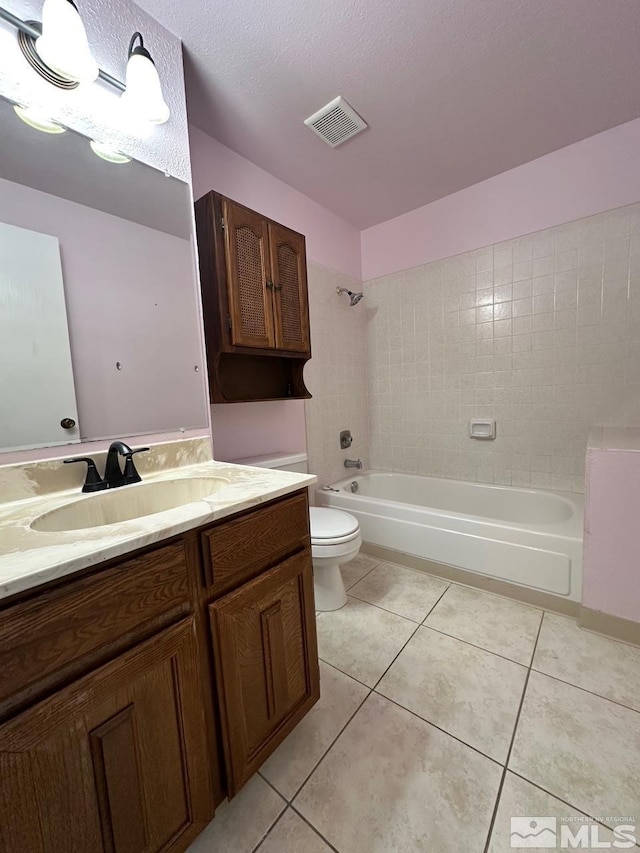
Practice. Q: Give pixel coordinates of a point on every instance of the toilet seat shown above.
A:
(337, 540)
(332, 526)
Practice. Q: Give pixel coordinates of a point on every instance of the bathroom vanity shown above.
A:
(135, 694)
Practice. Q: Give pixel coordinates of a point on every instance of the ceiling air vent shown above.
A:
(336, 122)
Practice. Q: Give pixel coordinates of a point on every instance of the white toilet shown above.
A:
(335, 536)
(335, 540)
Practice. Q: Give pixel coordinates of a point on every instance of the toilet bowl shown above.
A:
(335, 535)
(335, 541)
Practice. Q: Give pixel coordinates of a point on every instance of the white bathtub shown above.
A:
(523, 536)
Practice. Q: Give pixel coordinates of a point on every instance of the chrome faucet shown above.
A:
(353, 463)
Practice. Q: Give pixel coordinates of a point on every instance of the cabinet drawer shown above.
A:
(238, 550)
(56, 634)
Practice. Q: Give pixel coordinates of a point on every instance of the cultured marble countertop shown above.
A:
(29, 557)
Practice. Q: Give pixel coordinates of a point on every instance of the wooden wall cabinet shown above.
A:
(120, 733)
(253, 277)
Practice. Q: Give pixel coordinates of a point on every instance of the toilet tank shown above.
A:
(297, 462)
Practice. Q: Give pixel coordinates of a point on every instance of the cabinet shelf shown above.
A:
(253, 278)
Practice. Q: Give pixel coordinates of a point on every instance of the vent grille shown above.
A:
(336, 122)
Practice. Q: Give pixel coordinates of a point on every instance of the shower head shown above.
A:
(354, 298)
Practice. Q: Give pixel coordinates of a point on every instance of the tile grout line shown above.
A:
(475, 646)
(513, 737)
(333, 742)
(273, 824)
(584, 690)
(337, 668)
(317, 831)
(419, 625)
(355, 583)
(330, 747)
(378, 607)
(564, 802)
(439, 728)
(280, 817)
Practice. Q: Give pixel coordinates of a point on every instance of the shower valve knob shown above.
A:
(346, 439)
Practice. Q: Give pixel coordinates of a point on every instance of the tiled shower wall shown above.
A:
(335, 376)
(541, 333)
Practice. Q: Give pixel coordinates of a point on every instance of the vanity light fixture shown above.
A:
(63, 45)
(58, 49)
(105, 152)
(37, 120)
(142, 96)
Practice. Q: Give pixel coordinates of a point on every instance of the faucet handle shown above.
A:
(93, 481)
(130, 474)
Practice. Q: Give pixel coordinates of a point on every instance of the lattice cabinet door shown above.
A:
(249, 283)
(289, 272)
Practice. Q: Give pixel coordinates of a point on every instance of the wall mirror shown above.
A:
(99, 318)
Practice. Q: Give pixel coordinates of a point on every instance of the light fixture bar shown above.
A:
(30, 30)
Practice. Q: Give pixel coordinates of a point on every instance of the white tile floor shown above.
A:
(445, 711)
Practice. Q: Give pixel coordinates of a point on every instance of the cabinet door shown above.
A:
(249, 284)
(115, 763)
(289, 273)
(266, 653)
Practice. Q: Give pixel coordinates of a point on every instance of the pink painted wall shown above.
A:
(596, 174)
(331, 241)
(258, 429)
(251, 429)
(611, 581)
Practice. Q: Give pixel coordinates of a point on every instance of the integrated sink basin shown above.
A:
(127, 503)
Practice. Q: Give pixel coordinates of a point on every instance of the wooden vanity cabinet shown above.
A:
(114, 762)
(253, 277)
(266, 663)
(135, 697)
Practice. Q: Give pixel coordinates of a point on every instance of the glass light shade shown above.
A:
(143, 95)
(38, 120)
(107, 153)
(63, 45)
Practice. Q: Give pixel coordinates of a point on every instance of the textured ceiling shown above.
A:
(454, 91)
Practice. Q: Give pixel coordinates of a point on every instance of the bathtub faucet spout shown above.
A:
(353, 463)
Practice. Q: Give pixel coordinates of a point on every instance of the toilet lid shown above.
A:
(331, 523)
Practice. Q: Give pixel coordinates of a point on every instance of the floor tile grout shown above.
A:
(513, 738)
(386, 610)
(560, 799)
(584, 690)
(479, 590)
(259, 844)
(368, 686)
(347, 588)
(476, 646)
(317, 831)
(408, 641)
(439, 728)
(327, 750)
(529, 667)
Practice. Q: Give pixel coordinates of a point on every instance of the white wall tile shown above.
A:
(541, 333)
